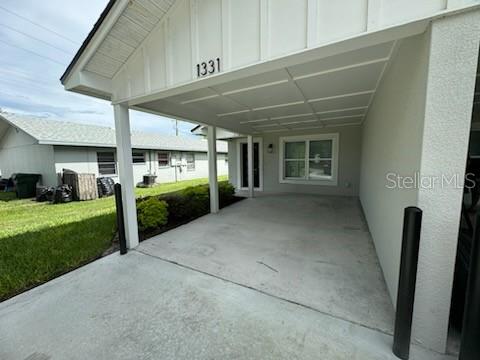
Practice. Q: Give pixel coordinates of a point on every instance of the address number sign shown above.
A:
(208, 67)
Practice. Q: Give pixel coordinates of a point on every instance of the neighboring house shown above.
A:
(330, 98)
(201, 131)
(38, 145)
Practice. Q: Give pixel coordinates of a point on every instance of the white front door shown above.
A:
(242, 161)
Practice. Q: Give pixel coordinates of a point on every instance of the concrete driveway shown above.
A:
(311, 250)
(140, 307)
(286, 277)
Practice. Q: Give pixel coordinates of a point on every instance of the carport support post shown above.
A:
(250, 165)
(125, 170)
(212, 169)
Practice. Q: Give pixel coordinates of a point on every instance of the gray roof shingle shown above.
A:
(54, 132)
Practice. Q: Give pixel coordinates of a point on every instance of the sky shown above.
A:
(32, 59)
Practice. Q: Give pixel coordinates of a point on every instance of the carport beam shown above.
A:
(212, 169)
(250, 165)
(125, 170)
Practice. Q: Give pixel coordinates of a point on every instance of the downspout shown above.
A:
(150, 162)
(175, 167)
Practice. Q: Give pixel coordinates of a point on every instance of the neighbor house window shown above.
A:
(138, 157)
(106, 163)
(190, 161)
(309, 159)
(163, 159)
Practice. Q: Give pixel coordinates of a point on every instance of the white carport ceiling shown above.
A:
(331, 91)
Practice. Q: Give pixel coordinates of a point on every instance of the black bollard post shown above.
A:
(470, 345)
(412, 222)
(120, 221)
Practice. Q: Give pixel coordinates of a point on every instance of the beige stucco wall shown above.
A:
(419, 124)
(454, 46)
(348, 163)
(392, 140)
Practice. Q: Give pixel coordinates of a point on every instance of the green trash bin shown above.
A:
(25, 185)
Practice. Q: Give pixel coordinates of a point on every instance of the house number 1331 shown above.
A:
(208, 67)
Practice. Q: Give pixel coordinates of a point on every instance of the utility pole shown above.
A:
(176, 127)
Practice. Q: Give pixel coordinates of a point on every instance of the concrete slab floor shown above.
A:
(312, 250)
(139, 307)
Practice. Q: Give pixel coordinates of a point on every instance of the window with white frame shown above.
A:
(106, 163)
(190, 161)
(138, 157)
(163, 159)
(309, 159)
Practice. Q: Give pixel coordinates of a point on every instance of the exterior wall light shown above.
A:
(270, 148)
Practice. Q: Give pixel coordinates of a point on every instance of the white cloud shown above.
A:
(30, 83)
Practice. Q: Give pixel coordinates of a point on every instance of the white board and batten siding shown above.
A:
(247, 32)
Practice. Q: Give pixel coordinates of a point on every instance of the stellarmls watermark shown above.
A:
(417, 181)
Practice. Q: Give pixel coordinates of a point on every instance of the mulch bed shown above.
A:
(170, 226)
(174, 224)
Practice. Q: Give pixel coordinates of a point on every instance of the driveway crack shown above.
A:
(268, 266)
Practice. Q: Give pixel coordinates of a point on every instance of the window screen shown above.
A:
(163, 159)
(309, 159)
(138, 157)
(106, 163)
(320, 159)
(295, 159)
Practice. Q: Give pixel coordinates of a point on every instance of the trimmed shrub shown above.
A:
(226, 193)
(178, 208)
(152, 213)
(198, 199)
(181, 206)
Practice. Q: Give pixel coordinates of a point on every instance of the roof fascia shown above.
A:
(101, 29)
(19, 128)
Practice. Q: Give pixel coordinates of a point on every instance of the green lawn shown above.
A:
(39, 241)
